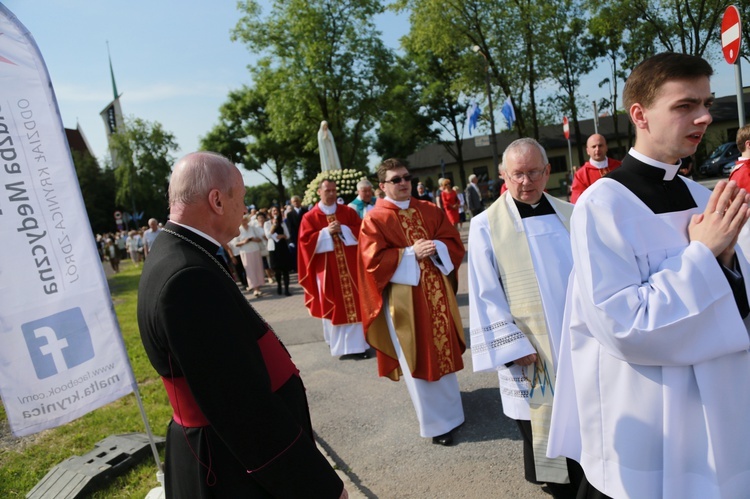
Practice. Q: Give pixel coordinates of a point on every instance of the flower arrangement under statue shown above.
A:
(346, 185)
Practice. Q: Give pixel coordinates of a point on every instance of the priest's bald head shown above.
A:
(525, 169)
(596, 147)
(207, 192)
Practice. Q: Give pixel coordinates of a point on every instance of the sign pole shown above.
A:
(740, 96)
(731, 44)
(566, 132)
(570, 158)
(596, 119)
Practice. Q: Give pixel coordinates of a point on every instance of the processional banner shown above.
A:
(61, 352)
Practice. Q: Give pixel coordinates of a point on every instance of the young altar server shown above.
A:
(652, 385)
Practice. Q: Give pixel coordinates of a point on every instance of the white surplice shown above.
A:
(653, 380)
(495, 339)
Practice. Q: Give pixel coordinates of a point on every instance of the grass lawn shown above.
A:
(24, 462)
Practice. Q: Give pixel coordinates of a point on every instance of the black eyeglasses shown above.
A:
(397, 180)
(533, 175)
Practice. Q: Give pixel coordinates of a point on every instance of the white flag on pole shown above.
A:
(62, 355)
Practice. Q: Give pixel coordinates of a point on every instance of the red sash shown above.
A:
(185, 410)
(278, 364)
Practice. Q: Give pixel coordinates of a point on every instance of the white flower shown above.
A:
(345, 179)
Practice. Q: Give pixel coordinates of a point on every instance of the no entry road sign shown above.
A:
(731, 34)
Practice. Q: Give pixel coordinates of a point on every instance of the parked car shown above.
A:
(724, 155)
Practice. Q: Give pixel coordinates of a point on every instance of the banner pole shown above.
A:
(149, 433)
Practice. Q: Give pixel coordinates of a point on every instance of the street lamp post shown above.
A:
(493, 142)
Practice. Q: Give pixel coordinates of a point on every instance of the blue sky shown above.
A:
(174, 62)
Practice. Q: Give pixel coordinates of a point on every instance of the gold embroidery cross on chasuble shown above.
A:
(346, 283)
(434, 287)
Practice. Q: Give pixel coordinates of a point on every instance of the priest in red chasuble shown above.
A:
(409, 254)
(327, 267)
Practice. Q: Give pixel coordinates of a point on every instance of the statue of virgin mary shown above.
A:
(329, 158)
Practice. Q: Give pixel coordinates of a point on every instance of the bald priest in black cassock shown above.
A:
(241, 425)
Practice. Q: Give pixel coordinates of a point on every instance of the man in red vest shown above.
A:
(595, 168)
(741, 171)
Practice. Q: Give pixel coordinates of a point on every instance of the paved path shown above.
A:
(368, 427)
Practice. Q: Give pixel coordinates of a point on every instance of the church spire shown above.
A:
(112, 74)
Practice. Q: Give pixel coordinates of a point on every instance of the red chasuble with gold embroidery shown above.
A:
(425, 316)
(337, 297)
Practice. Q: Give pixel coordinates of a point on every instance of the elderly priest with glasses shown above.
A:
(519, 262)
(409, 254)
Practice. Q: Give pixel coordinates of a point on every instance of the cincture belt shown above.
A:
(185, 410)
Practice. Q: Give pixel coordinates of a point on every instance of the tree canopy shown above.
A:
(143, 163)
(325, 60)
(98, 191)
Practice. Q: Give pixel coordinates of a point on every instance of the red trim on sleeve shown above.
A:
(278, 362)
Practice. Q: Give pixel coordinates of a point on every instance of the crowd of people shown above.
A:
(265, 251)
(616, 325)
(123, 244)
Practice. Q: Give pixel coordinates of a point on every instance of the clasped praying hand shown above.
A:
(719, 226)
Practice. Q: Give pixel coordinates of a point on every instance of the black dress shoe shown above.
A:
(287, 293)
(365, 355)
(446, 439)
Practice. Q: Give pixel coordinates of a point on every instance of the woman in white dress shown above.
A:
(260, 221)
(250, 242)
(461, 207)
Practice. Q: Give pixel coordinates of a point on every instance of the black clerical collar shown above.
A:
(648, 183)
(542, 208)
(669, 171)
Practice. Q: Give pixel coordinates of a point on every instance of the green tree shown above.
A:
(447, 71)
(262, 196)
(530, 47)
(404, 124)
(442, 99)
(143, 162)
(685, 26)
(569, 59)
(605, 27)
(98, 191)
(505, 32)
(245, 135)
(324, 60)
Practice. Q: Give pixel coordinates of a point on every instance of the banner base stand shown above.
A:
(156, 493)
(79, 476)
